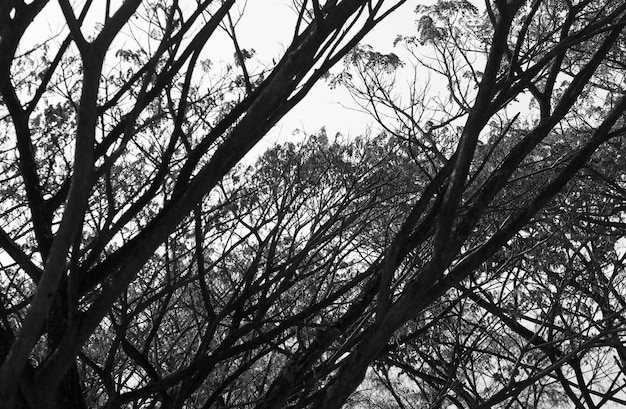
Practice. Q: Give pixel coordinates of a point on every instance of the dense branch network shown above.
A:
(469, 252)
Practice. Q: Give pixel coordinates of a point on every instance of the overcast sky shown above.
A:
(267, 27)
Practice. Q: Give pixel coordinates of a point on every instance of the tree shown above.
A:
(522, 327)
(111, 148)
(266, 264)
(150, 271)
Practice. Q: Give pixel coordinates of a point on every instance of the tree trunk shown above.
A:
(69, 394)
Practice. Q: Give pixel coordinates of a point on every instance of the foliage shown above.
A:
(468, 254)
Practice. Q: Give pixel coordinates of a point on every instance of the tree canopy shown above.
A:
(468, 252)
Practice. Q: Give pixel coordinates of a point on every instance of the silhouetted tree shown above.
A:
(111, 139)
(470, 255)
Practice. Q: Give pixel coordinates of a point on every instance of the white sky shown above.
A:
(267, 27)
